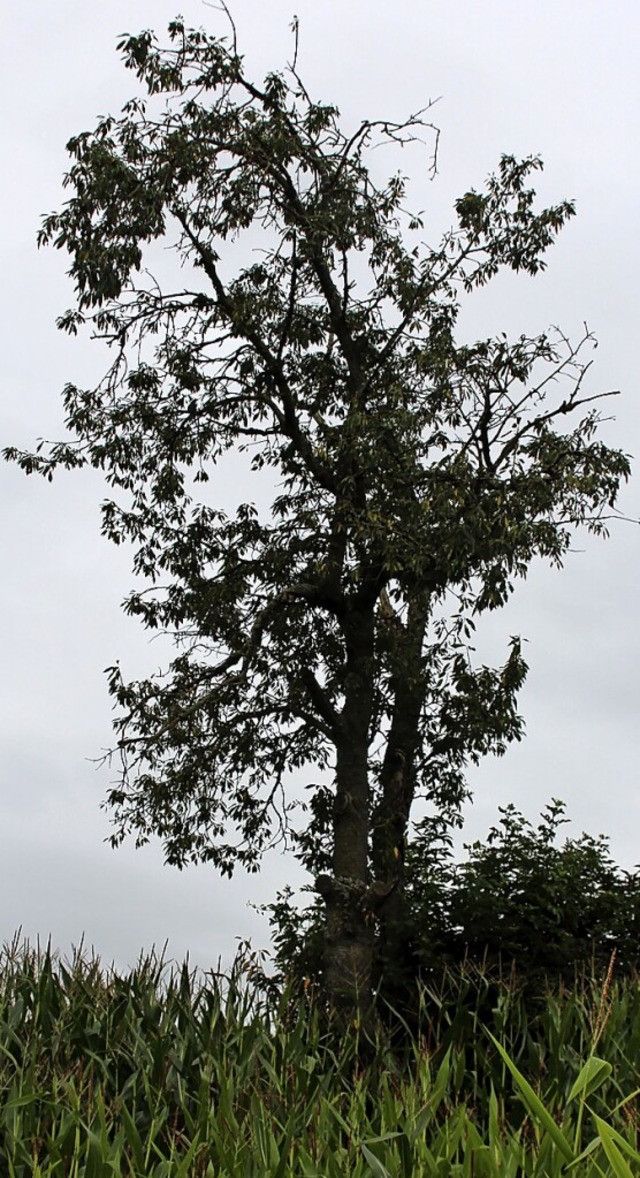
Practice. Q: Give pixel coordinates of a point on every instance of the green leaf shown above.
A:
(592, 1075)
(133, 1138)
(376, 1167)
(535, 1106)
(617, 1161)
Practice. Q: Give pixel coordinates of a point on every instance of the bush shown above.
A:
(520, 900)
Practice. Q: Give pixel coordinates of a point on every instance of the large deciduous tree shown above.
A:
(308, 325)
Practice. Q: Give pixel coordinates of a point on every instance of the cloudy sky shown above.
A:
(558, 78)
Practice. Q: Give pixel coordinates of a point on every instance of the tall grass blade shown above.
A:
(376, 1167)
(616, 1159)
(535, 1106)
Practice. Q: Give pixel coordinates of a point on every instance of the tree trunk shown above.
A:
(349, 927)
(394, 957)
(395, 960)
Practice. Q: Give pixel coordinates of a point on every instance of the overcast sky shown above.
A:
(558, 78)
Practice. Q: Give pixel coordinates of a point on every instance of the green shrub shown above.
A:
(521, 901)
(521, 898)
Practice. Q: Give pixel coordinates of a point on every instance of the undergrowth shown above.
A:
(164, 1072)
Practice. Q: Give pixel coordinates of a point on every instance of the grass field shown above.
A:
(163, 1073)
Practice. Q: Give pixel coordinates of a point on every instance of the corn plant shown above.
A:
(164, 1073)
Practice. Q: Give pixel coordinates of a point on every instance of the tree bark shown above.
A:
(394, 962)
(394, 954)
(349, 926)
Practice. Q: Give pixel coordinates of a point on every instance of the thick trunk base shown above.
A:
(348, 956)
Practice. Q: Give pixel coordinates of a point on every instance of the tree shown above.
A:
(417, 476)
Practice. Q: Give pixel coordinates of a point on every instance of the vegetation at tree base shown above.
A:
(520, 898)
(153, 1076)
(306, 322)
(517, 902)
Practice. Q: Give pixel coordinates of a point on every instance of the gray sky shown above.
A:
(557, 78)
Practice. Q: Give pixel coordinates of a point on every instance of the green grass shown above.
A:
(159, 1073)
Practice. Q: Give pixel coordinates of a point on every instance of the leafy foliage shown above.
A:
(520, 897)
(518, 900)
(411, 477)
(164, 1074)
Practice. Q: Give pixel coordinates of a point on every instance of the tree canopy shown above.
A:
(325, 629)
